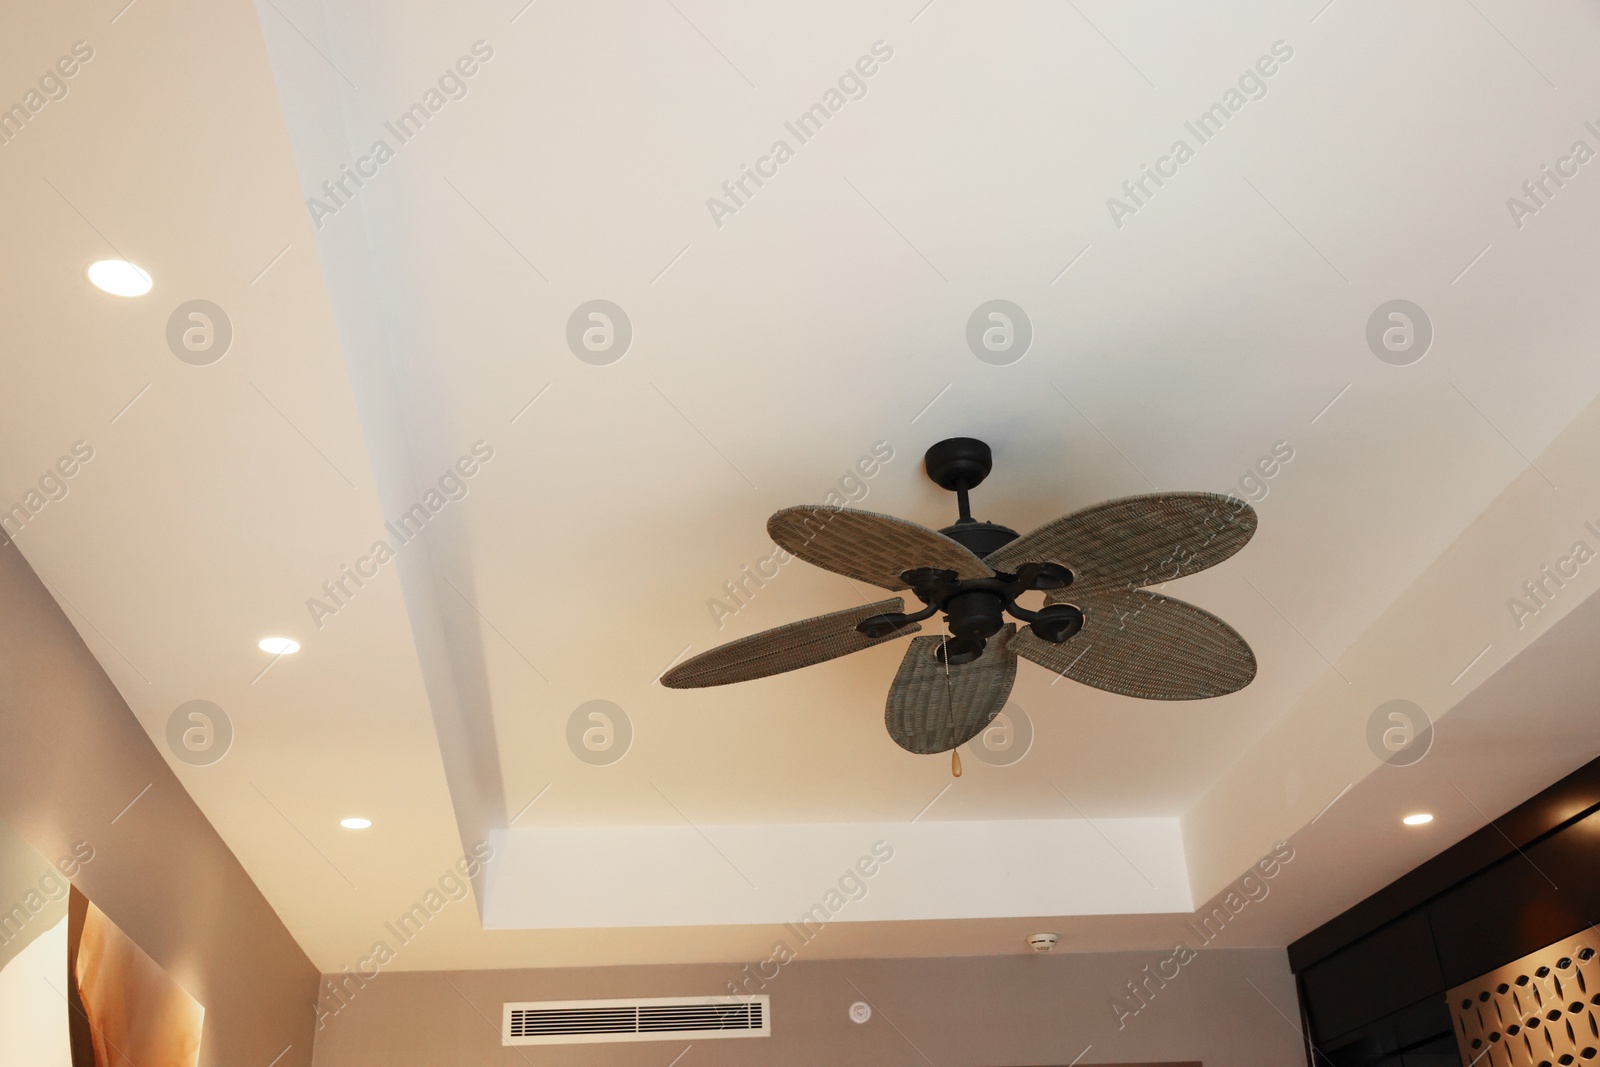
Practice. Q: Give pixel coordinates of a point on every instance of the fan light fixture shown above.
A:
(1098, 625)
(119, 277)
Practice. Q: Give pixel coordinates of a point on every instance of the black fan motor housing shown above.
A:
(980, 538)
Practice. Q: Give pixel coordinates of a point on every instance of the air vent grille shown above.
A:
(656, 1019)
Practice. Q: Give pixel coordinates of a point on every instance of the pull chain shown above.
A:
(945, 654)
(955, 757)
(949, 688)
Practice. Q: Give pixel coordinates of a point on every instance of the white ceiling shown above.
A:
(769, 354)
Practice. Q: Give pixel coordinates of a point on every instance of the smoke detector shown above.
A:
(1043, 942)
(860, 1011)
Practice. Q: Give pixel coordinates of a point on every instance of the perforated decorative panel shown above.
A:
(1539, 1011)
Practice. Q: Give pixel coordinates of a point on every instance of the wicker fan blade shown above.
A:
(784, 648)
(867, 546)
(1135, 541)
(931, 711)
(1146, 645)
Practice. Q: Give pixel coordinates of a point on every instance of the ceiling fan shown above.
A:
(1098, 625)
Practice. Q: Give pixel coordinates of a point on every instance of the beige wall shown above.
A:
(72, 756)
(1006, 1011)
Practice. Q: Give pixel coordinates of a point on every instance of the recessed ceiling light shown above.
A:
(119, 277)
(355, 824)
(279, 646)
(1419, 819)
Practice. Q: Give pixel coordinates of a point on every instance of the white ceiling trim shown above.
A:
(856, 872)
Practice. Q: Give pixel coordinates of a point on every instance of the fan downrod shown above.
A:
(959, 464)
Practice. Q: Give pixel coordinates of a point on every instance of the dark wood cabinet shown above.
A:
(1373, 980)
